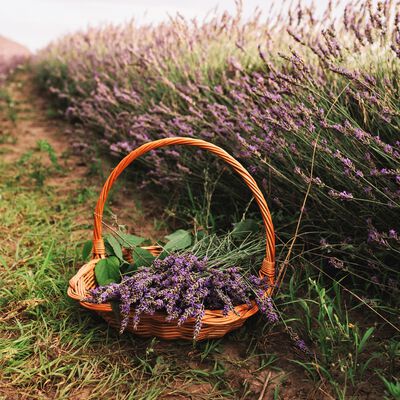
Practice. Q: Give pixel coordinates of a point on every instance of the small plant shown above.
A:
(46, 147)
(340, 346)
(35, 166)
(10, 106)
(393, 388)
(35, 169)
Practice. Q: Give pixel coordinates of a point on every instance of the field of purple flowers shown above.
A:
(308, 103)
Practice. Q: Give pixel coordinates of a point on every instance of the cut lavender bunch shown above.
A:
(183, 286)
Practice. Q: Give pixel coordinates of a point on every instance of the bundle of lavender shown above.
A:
(197, 275)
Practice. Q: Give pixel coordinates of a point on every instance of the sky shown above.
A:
(34, 23)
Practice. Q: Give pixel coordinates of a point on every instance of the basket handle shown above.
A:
(268, 266)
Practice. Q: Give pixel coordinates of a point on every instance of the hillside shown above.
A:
(11, 54)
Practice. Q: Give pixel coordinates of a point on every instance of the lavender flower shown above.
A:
(340, 195)
(301, 345)
(298, 342)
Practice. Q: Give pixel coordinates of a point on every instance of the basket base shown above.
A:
(157, 326)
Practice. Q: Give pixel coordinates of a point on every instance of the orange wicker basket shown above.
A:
(215, 324)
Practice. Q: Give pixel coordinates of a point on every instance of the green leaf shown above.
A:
(178, 240)
(245, 228)
(142, 257)
(116, 247)
(347, 247)
(126, 239)
(128, 269)
(107, 271)
(109, 249)
(364, 339)
(200, 235)
(162, 255)
(87, 249)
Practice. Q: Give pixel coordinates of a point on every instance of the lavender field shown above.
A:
(309, 104)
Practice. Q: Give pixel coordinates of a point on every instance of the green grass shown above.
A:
(7, 104)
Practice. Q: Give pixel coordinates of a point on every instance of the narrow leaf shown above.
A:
(116, 247)
(364, 339)
(87, 249)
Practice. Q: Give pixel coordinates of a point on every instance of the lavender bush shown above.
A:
(304, 101)
(183, 286)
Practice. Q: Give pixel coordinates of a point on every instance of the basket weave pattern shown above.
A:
(215, 324)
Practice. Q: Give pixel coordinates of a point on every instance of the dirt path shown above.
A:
(26, 122)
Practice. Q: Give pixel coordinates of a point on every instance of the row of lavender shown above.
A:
(305, 102)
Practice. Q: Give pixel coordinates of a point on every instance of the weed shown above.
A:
(393, 388)
(10, 105)
(45, 147)
(35, 166)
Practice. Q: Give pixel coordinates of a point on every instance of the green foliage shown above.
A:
(35, 166)
(393, 388)
(46, 147)
(129, 240)
(115, 261)
(84, 195)
(221, 250)
(178, 240)
(87, 249)
(107, 271)
(142, 257)
(7, 102)
(116, 248)
(245, 228)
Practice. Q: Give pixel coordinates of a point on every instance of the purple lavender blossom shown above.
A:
(336, 263)
(301, 345)
(340, 195)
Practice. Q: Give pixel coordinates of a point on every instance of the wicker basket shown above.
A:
(215, 324)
